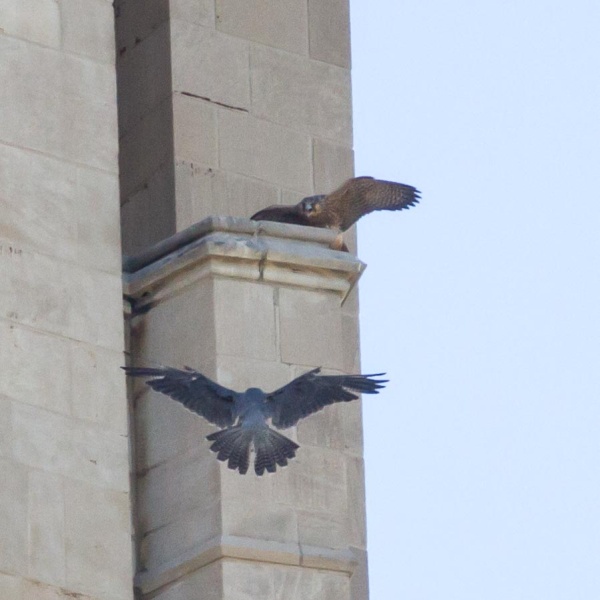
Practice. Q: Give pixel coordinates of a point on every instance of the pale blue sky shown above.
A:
(482, 303)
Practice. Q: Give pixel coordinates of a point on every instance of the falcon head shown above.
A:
(312, 206)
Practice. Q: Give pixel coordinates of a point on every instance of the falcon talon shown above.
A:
(243, 416)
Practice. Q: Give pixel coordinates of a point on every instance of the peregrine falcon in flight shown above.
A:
(244, 415)
(340, 209)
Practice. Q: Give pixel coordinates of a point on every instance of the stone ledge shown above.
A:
(241, 548)
(274, 253)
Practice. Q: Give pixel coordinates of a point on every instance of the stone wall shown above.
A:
(64, 452)
(227, 106)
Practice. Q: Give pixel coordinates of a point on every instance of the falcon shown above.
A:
(244, 415)
(344, 206)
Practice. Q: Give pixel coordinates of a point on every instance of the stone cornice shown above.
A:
(274, 253)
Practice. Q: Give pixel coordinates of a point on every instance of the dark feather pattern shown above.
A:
(244, 416)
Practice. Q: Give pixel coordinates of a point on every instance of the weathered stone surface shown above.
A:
(98, 386)
(70, 195)
(11, 587)
(245, 320)
(148, 215)
(77, 302)
(329, 31)
(307, 96)
(143, 74)
(210, 64)
(98, 541)
(187, 482)
(356, 512)
(209, 579)
(46, 526)
(63, 123)
(34, 590)
(201, 12)
(135, 20)
(5, 427)
(279, 23)
(318, 340)
(243, 580)
(195, 130)
(13, 518)
(88, 28)
(260, 515)
(283, 157)
(333, 164)
(27, 351)
(34, 20)
(202, 191)
(147, 146)
(66, 446)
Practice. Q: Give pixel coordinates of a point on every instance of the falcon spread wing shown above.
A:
(362, 195)
(195, 391)
(344, 206)
(311, 392)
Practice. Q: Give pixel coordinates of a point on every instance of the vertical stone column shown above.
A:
(226, 106)
(248, 305)
(64, 453)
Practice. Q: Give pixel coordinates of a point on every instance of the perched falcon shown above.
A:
(344, 206)
(244, 415)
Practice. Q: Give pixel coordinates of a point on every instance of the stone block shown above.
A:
(195, 130)
(241, 373)
(210, 64)
(36, 368)
(245, 320)
(259, 515)
(13, 517)
(45, 199)
(203, 191)
(66, 446)
(88, 29)
(62, 298)
(35, 590)
(246, 579)
(187, 482)
(283, 157)
(180, 330)
(98, 386)
(99, 556)
(201, 12)
(337, 426)
(333, 164)
(11, 587)
(46, 519)
(165, 429)
(145, 147)
(148, 215)
(77, 122)
(329, 31)
(144, 74)
(177, 538)
(279, 23)
(311, 328)
(135, 20)
(356, 511)
(317, 481)
(322, 530)
(5, 427)
(209, 579)
(307, 96)
(351, 343)
(34, 20)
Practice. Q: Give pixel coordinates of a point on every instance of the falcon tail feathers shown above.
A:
(233, 445)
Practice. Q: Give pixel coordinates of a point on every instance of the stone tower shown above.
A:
(195, 113)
